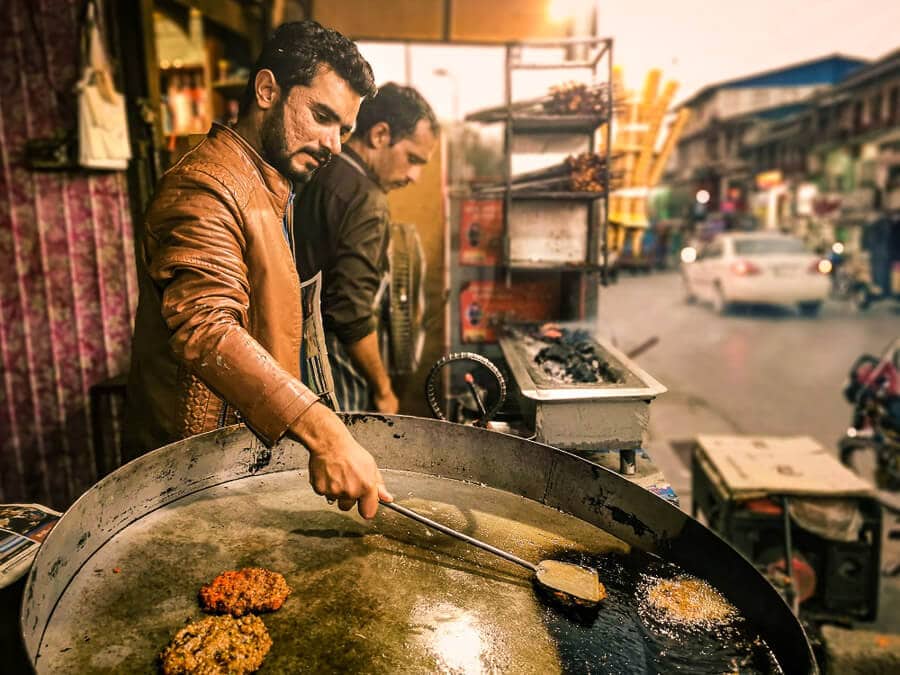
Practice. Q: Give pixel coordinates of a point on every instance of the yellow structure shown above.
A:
(636, 165)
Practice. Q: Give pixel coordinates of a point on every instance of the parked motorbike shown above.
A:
(873, 388)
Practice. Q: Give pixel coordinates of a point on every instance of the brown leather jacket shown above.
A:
(219, 324)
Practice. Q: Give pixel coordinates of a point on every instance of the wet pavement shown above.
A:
(756, 370)
(759, 370)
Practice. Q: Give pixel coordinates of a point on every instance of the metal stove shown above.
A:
(609, 415)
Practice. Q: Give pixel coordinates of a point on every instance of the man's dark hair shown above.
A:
(401, 107)
(297, 49)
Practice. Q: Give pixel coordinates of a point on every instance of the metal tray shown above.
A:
(119, 573)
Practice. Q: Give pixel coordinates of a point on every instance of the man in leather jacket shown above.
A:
(218, 327)
(342, 225)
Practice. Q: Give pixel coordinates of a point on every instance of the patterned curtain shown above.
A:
(67, 273)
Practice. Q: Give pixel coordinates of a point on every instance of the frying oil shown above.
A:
(656, 619)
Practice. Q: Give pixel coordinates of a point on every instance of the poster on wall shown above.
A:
(481, 232)
(484, 305)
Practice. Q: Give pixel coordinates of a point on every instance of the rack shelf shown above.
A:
(541, 195)
(553, 266)
(542, 124)
(525, 219)
(538, 232)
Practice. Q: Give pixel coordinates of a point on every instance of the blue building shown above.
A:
(723, 114)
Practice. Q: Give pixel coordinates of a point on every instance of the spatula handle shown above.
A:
(459, 535)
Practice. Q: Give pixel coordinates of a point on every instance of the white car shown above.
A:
(756, 268)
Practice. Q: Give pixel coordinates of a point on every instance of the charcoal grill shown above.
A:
(581, 416)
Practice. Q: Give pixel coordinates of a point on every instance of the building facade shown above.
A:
(726, 115)
(839, 156)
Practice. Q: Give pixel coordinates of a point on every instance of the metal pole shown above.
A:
(507, 151)
(610, 99)
(627, 462)
(407, 64)
(459, 535)
(791, 591)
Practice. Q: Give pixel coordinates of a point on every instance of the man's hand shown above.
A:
(366, 356)
(386, 402)
(339, 467)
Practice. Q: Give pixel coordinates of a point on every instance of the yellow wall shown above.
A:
(470, 20)
(423, 205)
(408, 19)
(502, 20)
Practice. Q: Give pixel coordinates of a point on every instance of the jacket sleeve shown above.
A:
(358, 268)
(194, 252)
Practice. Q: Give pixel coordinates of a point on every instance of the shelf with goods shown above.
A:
(540, 123)
(550, 221)
(232, 87)
(200, 77)
(528, 246)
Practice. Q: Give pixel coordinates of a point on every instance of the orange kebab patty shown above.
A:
(252, 589)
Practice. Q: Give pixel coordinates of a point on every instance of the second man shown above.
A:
(342, 225)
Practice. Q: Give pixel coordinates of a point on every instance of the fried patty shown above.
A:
(252, 589)
(217, 644)
(688, 601)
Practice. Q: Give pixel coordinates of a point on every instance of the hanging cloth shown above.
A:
(102, 123)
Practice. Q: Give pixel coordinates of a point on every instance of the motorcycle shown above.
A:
(873, 388)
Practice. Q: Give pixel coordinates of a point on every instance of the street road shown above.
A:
(761, 370)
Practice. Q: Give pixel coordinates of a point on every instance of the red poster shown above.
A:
(481, 232)
(483, 305)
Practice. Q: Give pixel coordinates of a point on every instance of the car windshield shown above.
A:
(768, 246)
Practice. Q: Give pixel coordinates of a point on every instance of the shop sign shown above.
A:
(769, 179)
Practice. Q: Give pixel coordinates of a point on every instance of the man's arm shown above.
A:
(366, 356)
(353, 283)
(194, 253)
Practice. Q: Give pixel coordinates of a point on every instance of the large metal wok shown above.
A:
(119, 574)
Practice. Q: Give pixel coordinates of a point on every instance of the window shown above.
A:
(893, 111)
(768, 246)
(857, 116)
(713, 250)
(875, 106)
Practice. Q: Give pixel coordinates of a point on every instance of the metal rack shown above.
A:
(579, 280)
(520, 205)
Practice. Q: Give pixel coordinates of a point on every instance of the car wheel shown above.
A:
(689, 296)
(842, 287)
(810, 308)
(861, 298)
(720, 302)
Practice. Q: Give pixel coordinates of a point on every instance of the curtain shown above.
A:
(67, 272)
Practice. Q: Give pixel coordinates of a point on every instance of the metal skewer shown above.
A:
(575, 583)
(459, 535)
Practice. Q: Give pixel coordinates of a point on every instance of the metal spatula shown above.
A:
(580, 584)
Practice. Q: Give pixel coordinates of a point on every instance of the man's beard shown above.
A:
(275, 150)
